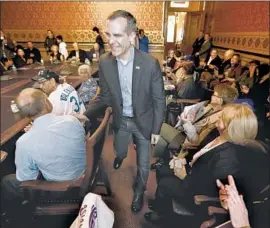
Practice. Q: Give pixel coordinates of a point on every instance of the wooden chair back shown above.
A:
(94, 149)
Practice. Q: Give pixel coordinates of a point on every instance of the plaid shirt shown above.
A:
(87, 91)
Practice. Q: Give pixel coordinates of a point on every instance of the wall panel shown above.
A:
(75, 20)
(239, 25)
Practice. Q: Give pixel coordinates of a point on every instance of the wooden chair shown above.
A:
(74, 190)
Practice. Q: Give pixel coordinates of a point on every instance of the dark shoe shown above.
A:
(157, 164)
(117, 163)
(152, 217)
(137, 203)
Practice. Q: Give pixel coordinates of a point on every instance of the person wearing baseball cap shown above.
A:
(63, 97)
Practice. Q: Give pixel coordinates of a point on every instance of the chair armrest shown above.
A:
(198, 199)
(216, 210)
(190, 101)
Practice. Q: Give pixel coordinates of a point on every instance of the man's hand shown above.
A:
(29, 61)
(82, 118)
(197, 53)
(211, 66)
(28, 127)
(154, 139)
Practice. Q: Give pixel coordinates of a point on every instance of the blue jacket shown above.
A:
(143, 44)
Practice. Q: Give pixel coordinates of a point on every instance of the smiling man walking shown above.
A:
(131, 83)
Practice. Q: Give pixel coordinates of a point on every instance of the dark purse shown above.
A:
(173, 110)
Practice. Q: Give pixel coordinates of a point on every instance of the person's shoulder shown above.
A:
(67, 120)
(65, 87)
(25, 140)
(106, 57)
(145, 57)
(228, 149)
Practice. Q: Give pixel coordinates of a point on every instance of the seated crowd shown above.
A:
(212, 142)
(216, 126)
(15, 56)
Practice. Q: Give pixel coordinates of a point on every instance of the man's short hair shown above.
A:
(131, 20)
(31, 102)
(189, 67)
(227, 93)
(96, 29)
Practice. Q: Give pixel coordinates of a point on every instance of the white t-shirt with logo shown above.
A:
(65, 100)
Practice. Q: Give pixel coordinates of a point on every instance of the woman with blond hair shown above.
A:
(234, 152)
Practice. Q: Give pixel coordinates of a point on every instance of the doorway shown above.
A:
(175, 29)
(183, 28)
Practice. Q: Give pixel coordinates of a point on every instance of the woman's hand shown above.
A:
(233, 202)
(180, 172)
(244, 89)
(237, 208)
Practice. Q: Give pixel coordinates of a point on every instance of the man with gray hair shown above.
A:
(54, 146)
(131, 83)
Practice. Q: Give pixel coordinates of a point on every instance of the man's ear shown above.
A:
(49, 105)
(132, 36)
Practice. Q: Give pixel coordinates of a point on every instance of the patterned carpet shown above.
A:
(121, 181)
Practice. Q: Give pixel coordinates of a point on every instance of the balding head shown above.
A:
(33, 103)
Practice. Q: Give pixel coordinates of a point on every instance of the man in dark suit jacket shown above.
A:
(198, 43)
(77, 53)
(32, 54)
(205, 48)
(131, 83)
(95, 52)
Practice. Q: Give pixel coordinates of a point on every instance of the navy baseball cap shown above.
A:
(44, 75)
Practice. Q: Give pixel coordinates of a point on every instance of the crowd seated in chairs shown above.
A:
(230, 153)
(196, 125)
(188, 152)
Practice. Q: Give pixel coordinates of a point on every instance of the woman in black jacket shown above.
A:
(234, 152)
(20, 60)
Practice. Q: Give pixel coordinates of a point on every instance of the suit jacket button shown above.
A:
(121, 105)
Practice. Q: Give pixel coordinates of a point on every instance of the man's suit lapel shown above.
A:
(136, 76)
